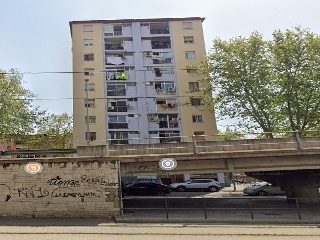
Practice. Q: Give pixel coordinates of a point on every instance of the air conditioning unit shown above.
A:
(171, 89)
(110, 107)
(153, 119)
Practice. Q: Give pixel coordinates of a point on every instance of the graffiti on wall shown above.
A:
(5, 191)
(59, 187)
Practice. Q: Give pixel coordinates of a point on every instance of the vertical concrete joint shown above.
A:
(195, 146)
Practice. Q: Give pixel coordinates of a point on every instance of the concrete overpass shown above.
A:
(296, 160)
(213, 156)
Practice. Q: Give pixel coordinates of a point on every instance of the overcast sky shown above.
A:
(35, 34)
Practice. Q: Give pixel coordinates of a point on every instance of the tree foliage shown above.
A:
(54, 132)
(230, 134)
(17, 115)
(269, 85)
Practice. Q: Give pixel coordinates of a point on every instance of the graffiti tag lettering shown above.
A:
(58, 181)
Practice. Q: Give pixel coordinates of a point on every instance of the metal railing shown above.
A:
(292, 204)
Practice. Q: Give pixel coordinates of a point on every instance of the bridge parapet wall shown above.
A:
(201, 146)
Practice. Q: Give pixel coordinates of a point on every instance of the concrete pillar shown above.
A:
(186, 177)
(221, 180)
(307, 192)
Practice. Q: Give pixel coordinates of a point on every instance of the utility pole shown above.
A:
(87, 108)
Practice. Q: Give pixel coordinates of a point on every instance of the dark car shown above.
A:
(146, 188)
(141, 180)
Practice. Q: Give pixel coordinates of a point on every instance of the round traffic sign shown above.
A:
(33, 167)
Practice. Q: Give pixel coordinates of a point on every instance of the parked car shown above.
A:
(145, 188)
(263, 189)
(142, 180)
(196, 185)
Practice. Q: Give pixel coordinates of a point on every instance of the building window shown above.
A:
(92, 119)
(197, 118)
(88, 57)
(195, 101)
(118, 119)
(187, 25)
(88, 42)
(188, 39)
(90, 87)
(190, 55)
(91, 103)
(116, 89)
(199, 135)
(119, 137)
(193, 86)
(88, 71)
(87, 28)
(92, 136)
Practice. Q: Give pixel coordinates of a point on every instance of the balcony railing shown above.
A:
(119, 92)
(117, 125)
(166, 124)
(119, 141)
(118, 109)
(159, 31)
(117, 33)
(114, 46)
(117, 75)
(168, 91)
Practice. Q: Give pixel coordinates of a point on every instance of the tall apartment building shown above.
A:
(130, 81)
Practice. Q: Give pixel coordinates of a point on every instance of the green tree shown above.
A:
(54, 132)
(17, 115)
(270, 85)
(230, 134)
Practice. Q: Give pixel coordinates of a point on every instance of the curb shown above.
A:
(206, 221)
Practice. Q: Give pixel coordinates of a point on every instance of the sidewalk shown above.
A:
(53, 221)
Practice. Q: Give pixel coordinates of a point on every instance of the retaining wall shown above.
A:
(65, 188)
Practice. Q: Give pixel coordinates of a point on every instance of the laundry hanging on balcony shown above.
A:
(115, 60)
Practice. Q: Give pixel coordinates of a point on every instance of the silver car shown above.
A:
(196, 185)
(263, 189)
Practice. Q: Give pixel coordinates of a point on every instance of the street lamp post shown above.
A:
(87, 108)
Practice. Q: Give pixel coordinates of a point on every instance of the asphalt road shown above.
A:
(160, 232)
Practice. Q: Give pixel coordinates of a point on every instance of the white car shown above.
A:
(263, 189)
(196, 185)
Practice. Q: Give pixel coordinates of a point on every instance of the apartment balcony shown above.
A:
(166, 107)
(117, 92)
(117, 125)
(118, 61)
(129, 107)
(155, 29)
(160, 73)
(160, 125)
(164, 92)
(126, 138)
(118, 74)
(119, 46)
(117, 109)
(117, 30)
